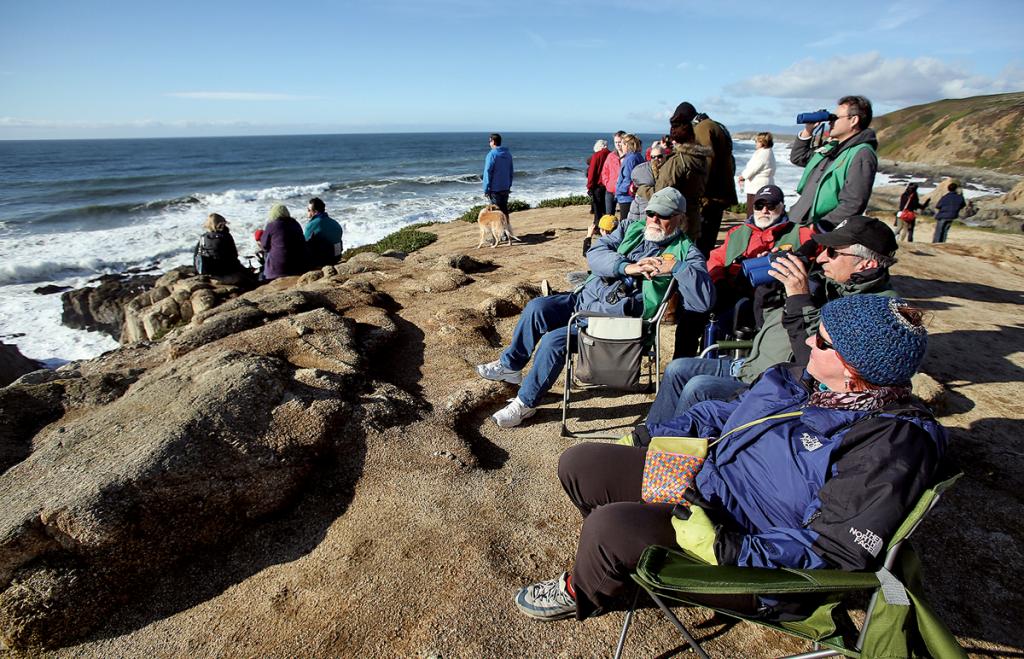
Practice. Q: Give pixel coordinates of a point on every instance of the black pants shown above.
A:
(499, 199)
(709, 226)
(597, 199)
(624, 210)
(604, 481)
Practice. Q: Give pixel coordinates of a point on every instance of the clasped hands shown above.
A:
(650, 267)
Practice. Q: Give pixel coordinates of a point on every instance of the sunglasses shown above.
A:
(759, 205)
(659, 157)
(821, 344)
(832, 252)
(660, 217)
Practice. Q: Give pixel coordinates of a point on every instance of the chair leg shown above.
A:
(625, 625)
(679, 625)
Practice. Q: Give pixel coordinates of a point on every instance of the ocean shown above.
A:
(71, 210)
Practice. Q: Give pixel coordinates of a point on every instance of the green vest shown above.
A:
(740, 238)
(653, 289)
(826, 197)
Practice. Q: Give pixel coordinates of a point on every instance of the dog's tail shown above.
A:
(506, 226)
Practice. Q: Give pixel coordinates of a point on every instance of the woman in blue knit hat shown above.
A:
(814, 468)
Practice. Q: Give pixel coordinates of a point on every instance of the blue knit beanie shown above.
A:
(871, 336)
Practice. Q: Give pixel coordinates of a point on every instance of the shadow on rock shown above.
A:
(924, 289)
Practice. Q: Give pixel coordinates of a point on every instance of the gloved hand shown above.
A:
(696, 534)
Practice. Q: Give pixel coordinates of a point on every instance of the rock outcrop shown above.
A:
(115, 473)
(101, 308)
(13, 364)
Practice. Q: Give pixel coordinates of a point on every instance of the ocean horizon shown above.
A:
(72, 210)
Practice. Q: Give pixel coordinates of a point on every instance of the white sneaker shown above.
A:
(545, 287)
(547, 600)
(513, 414)
(497, 372)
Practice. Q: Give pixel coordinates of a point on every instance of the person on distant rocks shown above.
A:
(625, 267)
(720, 191)
(595, 163)
(632, 157)
(837, 179)
(815, 469)
(760, 169)
(498, 173)
(323, 235)
(284, 245)
(215, 254)
(947, 210)
(610, 171)
(644, 176)
(906, 217)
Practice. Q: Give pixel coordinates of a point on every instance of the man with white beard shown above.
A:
(769, 229)
(626, 280)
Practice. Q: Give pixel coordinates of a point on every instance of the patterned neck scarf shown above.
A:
(868, 401)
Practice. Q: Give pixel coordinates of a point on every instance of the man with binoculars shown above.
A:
(837, 178)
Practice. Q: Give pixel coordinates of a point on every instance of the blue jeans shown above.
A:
(941, 230)
(542, 327)
(688, 381)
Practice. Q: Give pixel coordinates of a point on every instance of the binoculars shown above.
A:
(815, 117)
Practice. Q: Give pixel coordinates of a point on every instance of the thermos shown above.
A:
(711, 336)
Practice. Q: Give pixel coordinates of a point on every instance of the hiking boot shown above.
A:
(497, 372)
(513, 414)
(545, 287)
(547, 600)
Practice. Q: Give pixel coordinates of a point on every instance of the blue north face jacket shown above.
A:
(812, 487)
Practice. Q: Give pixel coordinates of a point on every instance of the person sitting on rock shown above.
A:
(856, 260)
(625, 266)
(824, 485)
(215, 254)
(323, 235)
(283, 244)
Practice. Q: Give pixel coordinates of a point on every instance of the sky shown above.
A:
(89, 69)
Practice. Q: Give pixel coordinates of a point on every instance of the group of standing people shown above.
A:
(284, 247)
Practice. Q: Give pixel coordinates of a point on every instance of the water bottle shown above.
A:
(711, 336)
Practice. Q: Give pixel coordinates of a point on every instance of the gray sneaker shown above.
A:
(497, 372)
(547, 600)
(513, 414)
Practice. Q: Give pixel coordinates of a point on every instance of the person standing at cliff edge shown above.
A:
(498, 174)
(837, 178)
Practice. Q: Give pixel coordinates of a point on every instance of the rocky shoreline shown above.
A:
(308, 469)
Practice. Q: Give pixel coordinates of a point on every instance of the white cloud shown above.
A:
(683, 66)
(240, 96)
(896, 16)
(896, 80)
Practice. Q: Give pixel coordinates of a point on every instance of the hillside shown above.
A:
(981, 131)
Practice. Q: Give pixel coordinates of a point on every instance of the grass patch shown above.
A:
(407, 240)
(738, 208)
(562, 202)
(514, 206)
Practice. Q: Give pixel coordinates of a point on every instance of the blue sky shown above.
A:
(138, 69)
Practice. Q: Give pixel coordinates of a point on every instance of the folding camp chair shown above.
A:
(609, 352)
(674, 576)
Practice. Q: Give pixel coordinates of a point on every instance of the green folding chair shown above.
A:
(896, 608)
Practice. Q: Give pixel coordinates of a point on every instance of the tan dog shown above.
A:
(493, 220)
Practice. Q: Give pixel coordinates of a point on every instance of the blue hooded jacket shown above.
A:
(498, 170)
(823, 489)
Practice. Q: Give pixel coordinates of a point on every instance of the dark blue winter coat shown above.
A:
(825, 489)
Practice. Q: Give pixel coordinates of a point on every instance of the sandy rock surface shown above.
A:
(409, 519)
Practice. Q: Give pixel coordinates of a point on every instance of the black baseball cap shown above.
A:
(770, 193)
(861, 230)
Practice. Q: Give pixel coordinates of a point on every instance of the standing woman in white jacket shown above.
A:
(760, 170)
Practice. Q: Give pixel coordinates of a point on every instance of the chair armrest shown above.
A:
(668, 570)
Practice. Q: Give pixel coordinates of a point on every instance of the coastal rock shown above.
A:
(184, 451)
(13, 364)
(101, 308)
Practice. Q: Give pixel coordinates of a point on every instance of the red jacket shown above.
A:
(595, 163)
(610, 171)
(761, 242)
